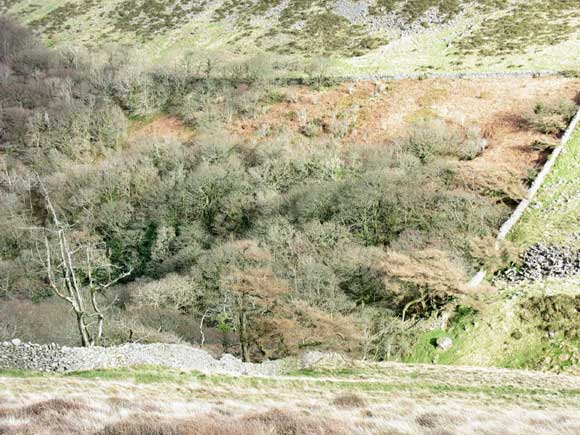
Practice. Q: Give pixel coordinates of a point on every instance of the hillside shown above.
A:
(204, 230)
(255, 216)
(367, 36)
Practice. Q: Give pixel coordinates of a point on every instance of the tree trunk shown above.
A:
(202, 339)
(244, 337)
(85, 339)
(100, 321)
(70, 287)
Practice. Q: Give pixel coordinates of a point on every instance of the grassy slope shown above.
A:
(554, 215)
(501, 333)
(538, 36)
(378, 398)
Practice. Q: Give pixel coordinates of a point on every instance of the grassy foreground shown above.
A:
(353, 398)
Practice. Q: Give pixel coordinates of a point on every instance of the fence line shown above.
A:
(523, 205)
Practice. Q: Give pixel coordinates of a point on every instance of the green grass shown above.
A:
(140, 375)
(359, 380)
(492, 35)
(16, 373)
(554, 216)
(526, 25)
(531, 325)
(526, 326)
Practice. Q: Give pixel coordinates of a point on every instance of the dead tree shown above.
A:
(78, 275)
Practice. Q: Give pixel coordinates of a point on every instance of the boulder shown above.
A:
(444, 343)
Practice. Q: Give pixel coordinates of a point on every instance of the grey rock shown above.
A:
(53, 358)
(541, 261)
(444, 343)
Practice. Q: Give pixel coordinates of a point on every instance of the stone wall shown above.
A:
(524, 204)
(54, 358)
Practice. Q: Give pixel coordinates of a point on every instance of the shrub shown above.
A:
(43, 322)
(172, 290)
(428, 139)
(431, 138)
(473, 145)
(76, 129)
(421, 281)
(122, 330)
(34, 59)
(387, 338)
(14, 38)
(551, 117)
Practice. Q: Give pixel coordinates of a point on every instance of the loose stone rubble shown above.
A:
(54, 358)
(541, 261)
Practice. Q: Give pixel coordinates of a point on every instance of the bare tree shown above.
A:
(13, 38)
(255, 292)
(78, 274)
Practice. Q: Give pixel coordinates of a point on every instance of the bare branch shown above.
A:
(50, 275)
(116, 280)
(49, 205)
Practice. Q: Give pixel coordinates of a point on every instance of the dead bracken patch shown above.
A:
(58, 406)
(163, 127)
(288, 423)
(429, 420)
(40, 409)
(371, 114)
(349, 401)
(271, 422)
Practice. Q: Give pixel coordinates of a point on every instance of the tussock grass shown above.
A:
(270, 422)
(349, 401)
(371, 398)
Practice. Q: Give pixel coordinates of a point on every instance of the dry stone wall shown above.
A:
(54, 358)
(524, 204)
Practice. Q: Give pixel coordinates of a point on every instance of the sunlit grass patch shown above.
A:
(554, 215)
(141, 375)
